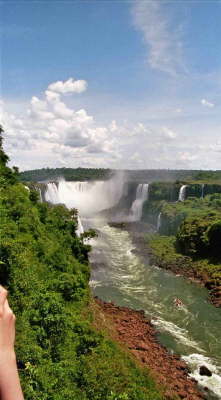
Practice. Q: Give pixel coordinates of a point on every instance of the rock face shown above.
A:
(134, 331)
(205, 371)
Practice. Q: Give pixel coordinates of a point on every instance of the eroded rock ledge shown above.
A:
(136, 332)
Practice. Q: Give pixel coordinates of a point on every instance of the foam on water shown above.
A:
(128, 281)
(213, 382)
(94, 283)
(179, 333)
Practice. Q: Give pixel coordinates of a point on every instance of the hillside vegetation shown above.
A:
(44, 265)
(69, 174)
(189, 239)
(176, 177)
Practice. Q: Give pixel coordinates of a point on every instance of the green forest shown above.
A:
(188, 238)
(44, 265)
(69, 174)
(87, 174)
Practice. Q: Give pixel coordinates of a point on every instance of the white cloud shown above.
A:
(187, 156)
(206, 103)
(52, 96)
(168, 133)
(165, 50)
(113, 126)
(61, 110)
(54, 134)
(69, 86)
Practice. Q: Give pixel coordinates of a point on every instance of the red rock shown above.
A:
(137, 333)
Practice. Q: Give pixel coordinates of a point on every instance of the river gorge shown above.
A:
(121, 276)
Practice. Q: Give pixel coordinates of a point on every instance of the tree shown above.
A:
(3, 157)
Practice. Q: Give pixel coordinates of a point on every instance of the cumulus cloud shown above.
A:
(165, 49)
(206, 103)
(168, 133)
(52, 97)
(51, 133)
(50, 122)
(69, 86)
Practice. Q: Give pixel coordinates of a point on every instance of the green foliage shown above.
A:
(166, 255)
(45, 267)
(208, 176)
(7, 176)
(214, 238)
(164, 191)
(69, 174)
(173, 214)
(192, 238)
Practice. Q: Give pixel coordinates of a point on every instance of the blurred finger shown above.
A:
(7, 309)
(3, 295)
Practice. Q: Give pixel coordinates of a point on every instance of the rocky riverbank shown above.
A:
(180, 265)
(131, 329)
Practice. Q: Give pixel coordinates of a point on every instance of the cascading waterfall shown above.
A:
(202, 191)
(40, 195)
(88, 198)
(52, 194)
(182, 193)
(137, 206)
(159, 221)
(80, 228)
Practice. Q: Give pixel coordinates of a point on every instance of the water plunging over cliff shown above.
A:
(202, 191)
(52, 194)
(137, 206)
(182, 193)
(159, 221)
(88, 197)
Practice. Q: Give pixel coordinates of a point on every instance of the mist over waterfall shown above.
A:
(88, 197)
(182, 193)
(137, 206)
(52, 194)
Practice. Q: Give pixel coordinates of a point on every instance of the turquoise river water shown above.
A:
(193, 331)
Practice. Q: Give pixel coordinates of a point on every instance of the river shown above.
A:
(119, 275)
(192, 331)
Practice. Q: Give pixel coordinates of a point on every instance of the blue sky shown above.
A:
(140, 83)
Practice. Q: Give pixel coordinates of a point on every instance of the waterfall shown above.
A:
(87, 197)
(80, 228)
(40, 195)
(159, 221)
(90, 197)
(182, 193)
(137, 206)
(52, 194)
(202, 191)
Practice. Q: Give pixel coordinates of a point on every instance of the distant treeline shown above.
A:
(69, 174)
(86, 174)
